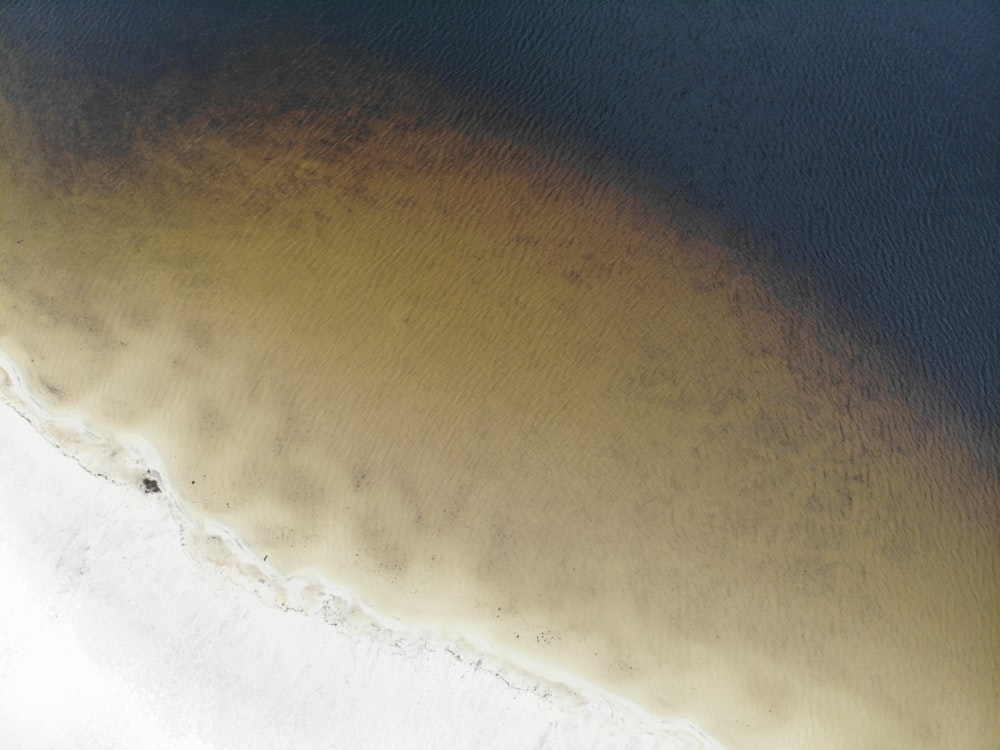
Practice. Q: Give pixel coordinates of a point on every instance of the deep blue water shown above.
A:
(859, 140)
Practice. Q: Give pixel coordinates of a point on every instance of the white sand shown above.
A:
(123, 625)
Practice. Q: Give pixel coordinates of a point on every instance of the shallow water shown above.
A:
(495, 388)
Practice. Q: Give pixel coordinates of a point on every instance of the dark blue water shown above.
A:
(858, 140)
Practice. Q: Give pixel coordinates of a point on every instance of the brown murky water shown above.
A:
(496, 392)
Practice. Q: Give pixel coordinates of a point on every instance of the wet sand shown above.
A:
(499, 396)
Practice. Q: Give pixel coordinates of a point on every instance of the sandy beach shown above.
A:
(125, 625)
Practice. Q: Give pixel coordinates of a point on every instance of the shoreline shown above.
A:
(214, 549)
